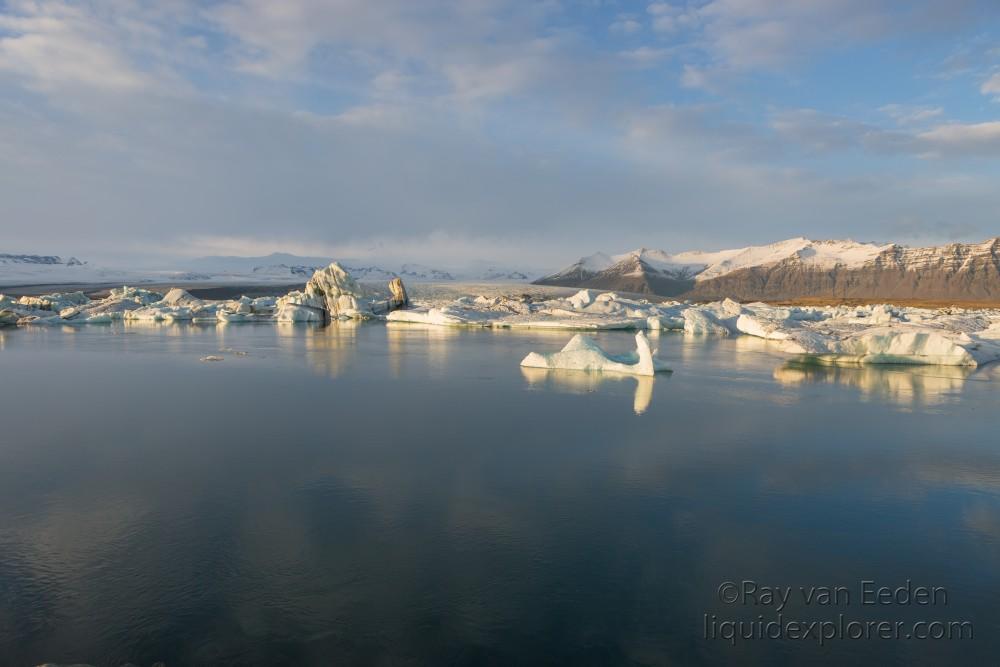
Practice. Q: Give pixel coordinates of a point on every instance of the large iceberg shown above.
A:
(338, 292)
(583, 354)
(894, 345)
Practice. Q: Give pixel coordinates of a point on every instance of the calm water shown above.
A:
(402, 496)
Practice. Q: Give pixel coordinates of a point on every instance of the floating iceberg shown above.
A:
(894, 345)
(337, 292)
(583, 354)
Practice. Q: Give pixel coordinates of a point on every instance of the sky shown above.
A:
(524, 132)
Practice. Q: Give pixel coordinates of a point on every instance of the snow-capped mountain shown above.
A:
(795, 268)
(44, 260)
(277, 268)
(23, 269)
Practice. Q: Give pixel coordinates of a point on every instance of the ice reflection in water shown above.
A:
(329, 350)
(905, 386)
(429, 342)
(584, 382)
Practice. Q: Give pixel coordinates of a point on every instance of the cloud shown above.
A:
(710, 79)
(991, 86)
(758, 35)
(819, 133)
(668, 18)
(351, 124)
(446, 249)
(625, 24)
(461, 43)
(645, 55)
(981, 139)
(912, 228)
(55, 45)
(911, 115)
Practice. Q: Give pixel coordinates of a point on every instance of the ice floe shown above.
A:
(583, 354)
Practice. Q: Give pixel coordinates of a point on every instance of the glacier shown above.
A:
(830, 335)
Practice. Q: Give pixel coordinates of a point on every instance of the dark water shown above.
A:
(380, 495)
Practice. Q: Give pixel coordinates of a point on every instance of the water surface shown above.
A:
(371, 494)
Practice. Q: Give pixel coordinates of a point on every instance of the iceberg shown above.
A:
(583, 354)
(298, 307)
(893, 345)
(703, 322)
(337, 291)
(774, 327)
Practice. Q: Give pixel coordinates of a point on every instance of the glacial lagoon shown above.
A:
(370, 493)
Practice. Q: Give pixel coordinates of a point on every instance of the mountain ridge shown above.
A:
(797, 268)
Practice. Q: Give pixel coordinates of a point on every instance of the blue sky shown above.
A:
(529, 132)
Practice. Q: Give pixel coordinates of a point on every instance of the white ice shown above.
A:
(583, 354)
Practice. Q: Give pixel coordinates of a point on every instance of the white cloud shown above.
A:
(625, 25)
(905, 114)
(963, 139)
(351, 121)
(709, 79)
(821, 133)
(645, 55)
(754, 35)
(667, 18)
(991, 86)
(56, 44)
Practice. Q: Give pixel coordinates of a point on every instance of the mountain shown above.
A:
(46, 260)
(278, 266)
(18, 269)
(798, 268)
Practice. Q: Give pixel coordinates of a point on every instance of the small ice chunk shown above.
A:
(582, 299)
